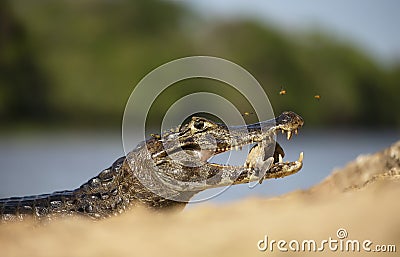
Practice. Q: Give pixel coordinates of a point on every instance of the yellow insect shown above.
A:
(282, 92)
(317, 97)
(247, 113)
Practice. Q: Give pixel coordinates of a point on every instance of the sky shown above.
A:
(371, 24)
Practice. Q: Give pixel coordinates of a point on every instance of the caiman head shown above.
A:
(192, 144)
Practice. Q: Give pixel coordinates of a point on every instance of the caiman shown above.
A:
(167, 170)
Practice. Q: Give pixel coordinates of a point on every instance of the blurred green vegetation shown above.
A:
(75, 63)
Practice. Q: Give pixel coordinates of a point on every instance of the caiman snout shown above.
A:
(289, 120)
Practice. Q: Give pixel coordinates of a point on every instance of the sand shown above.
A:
(362, 198)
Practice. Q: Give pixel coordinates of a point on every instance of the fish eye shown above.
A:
(199, 124)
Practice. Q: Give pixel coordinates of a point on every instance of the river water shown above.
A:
(42, 163)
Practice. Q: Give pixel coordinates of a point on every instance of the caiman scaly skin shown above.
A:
(166, 171)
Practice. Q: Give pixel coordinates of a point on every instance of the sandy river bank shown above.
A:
(361, 198)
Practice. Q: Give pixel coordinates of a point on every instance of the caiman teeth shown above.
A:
(301, 157)
(289, 135)
(280, 158)
(296, 131)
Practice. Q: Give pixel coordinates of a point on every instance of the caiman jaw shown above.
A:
(263, 155)
(202, 139)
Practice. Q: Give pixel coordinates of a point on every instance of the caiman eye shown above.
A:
(199, 124)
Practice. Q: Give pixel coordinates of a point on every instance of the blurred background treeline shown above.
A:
(67, 69)
(74, 63)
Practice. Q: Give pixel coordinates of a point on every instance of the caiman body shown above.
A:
(167, 170)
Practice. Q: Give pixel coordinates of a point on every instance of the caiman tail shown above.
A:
(16, 208)
(94, 198)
